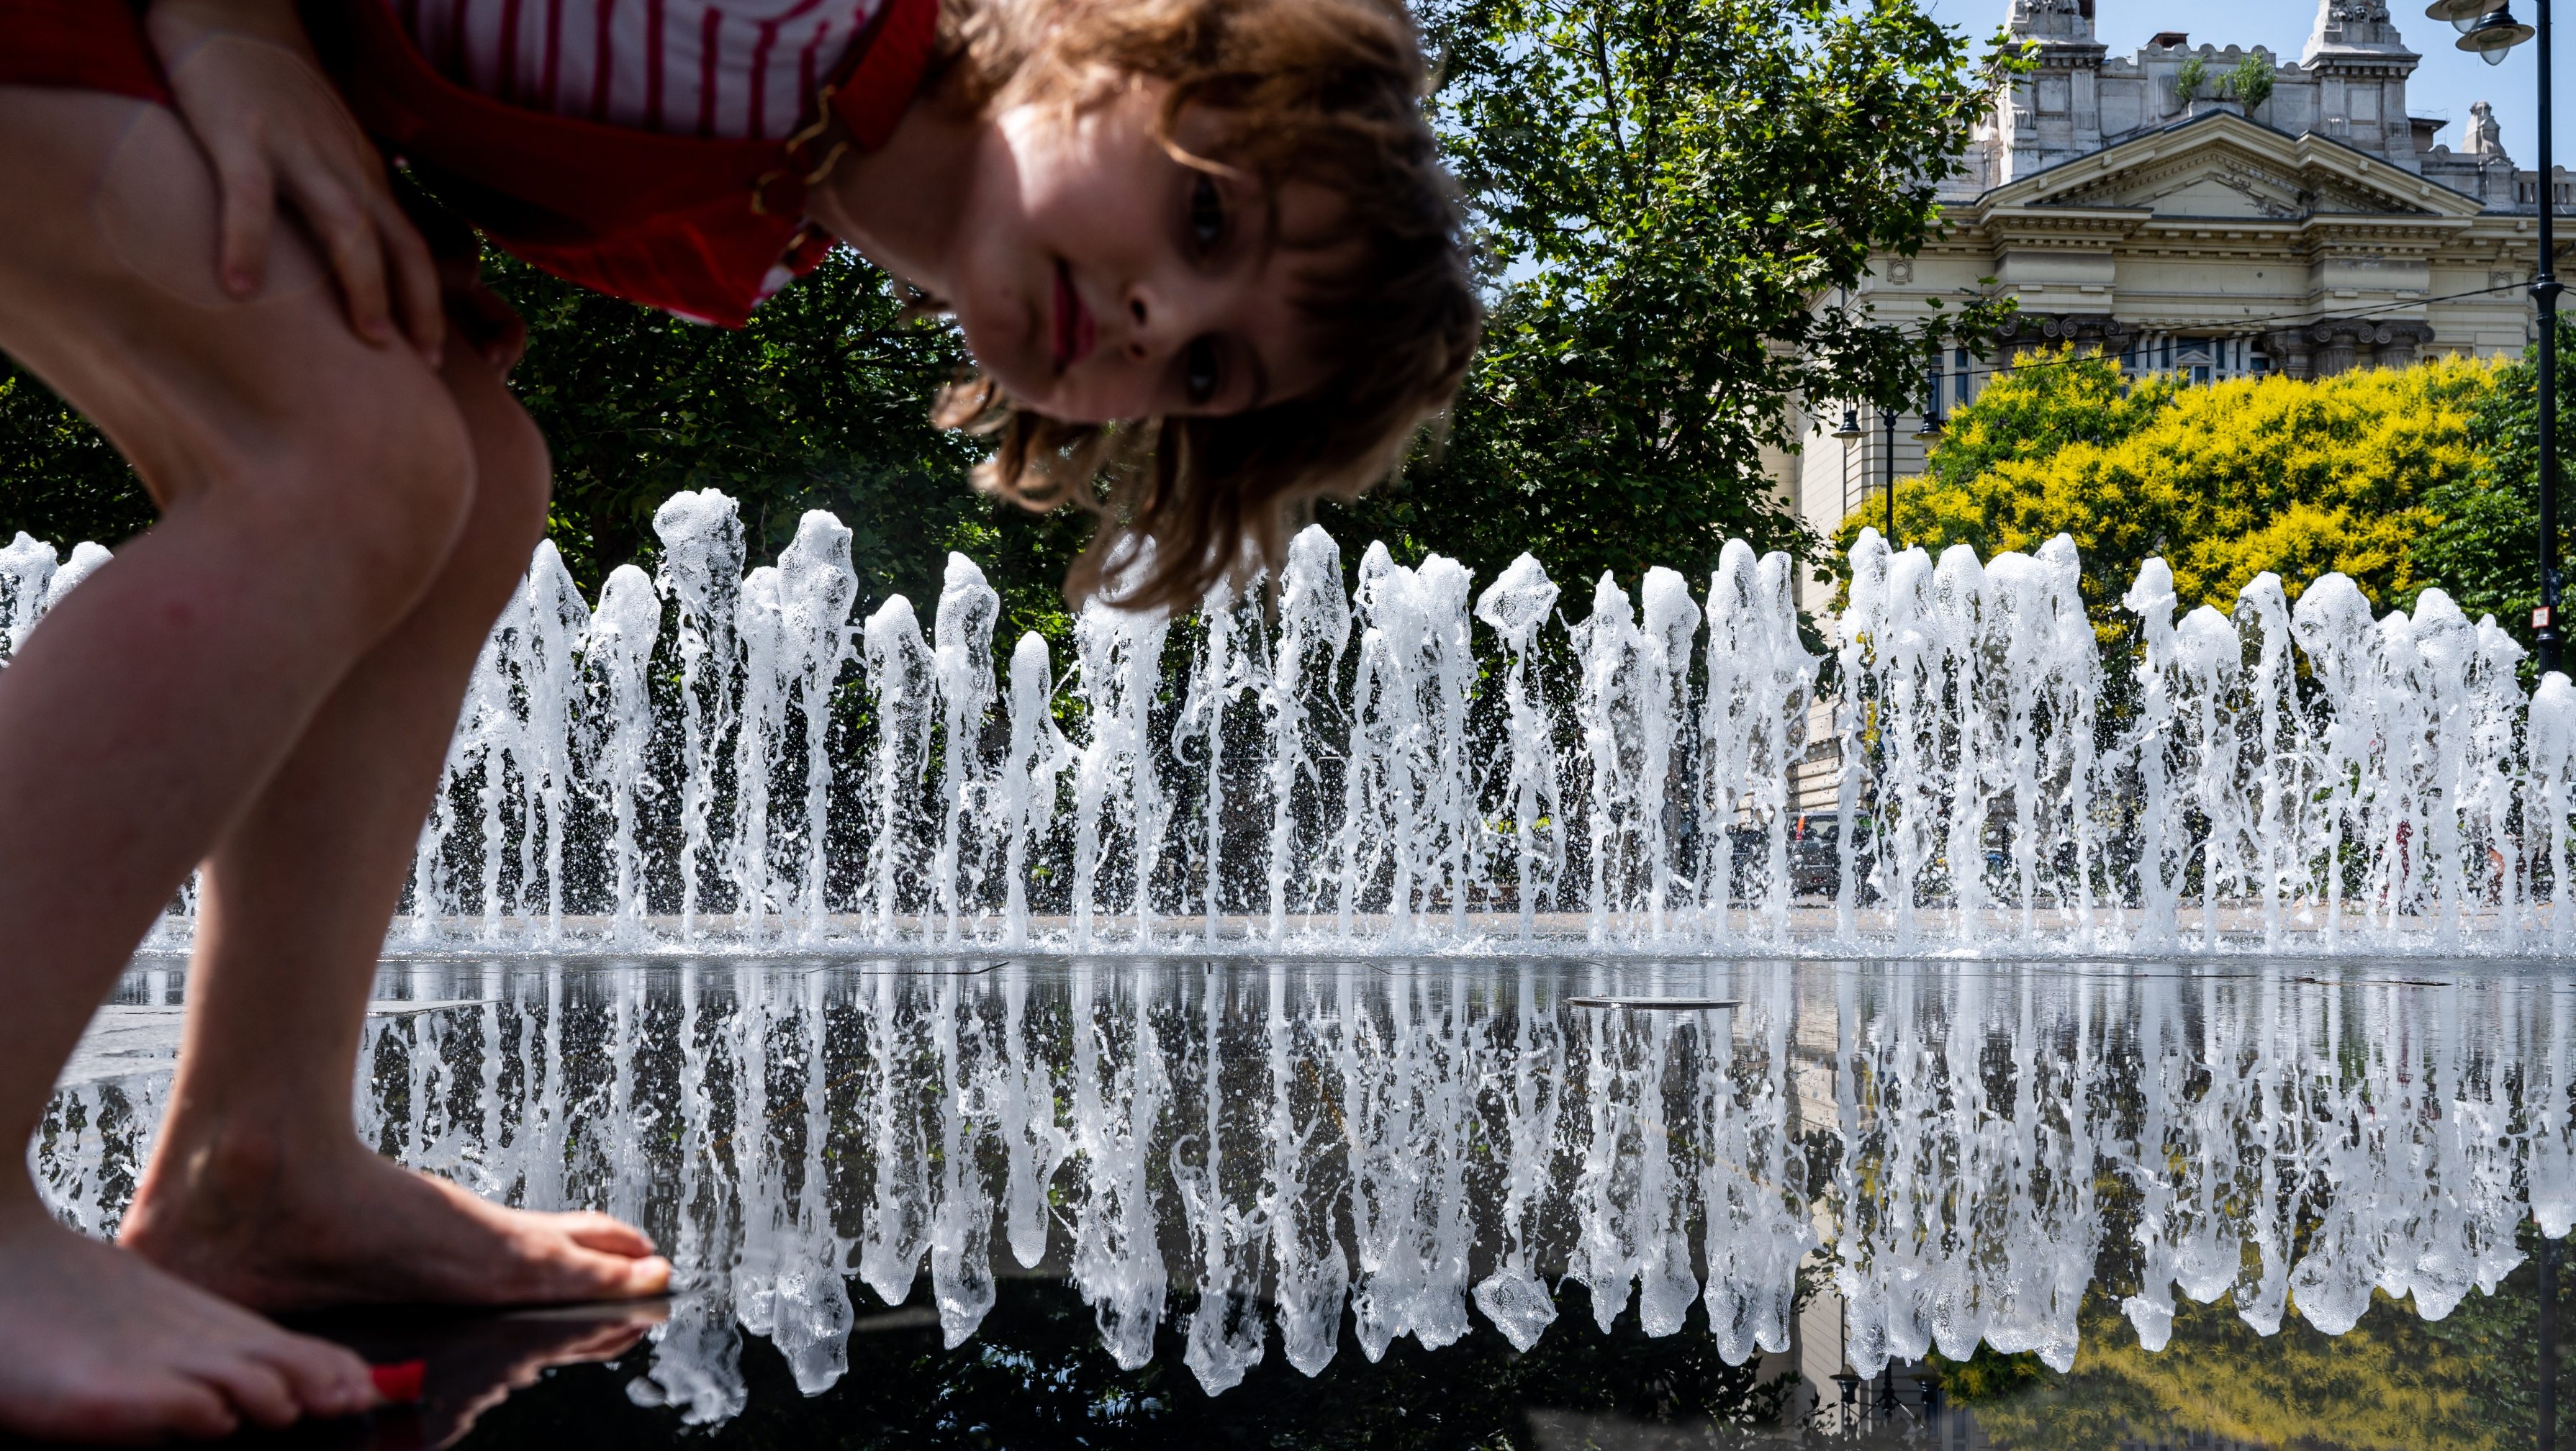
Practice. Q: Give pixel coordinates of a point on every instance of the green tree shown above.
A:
(1674, 196)
(821, 403)
(2189, 78)
(2250, 81)
(62, 482)
(2223, 480)
(2485, 549)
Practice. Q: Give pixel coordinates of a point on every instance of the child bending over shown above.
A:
(1200, 248)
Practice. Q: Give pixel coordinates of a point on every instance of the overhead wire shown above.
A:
(2246, 327)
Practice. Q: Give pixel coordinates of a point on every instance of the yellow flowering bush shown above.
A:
(2224, 480)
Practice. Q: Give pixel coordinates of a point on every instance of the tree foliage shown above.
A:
(1666, 189)
(821, 403)
(62, 483)
(2484, 548)
(2224, 480)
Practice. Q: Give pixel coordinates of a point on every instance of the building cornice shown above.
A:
(2067, 55)
(2322, 164)
(2092, 227)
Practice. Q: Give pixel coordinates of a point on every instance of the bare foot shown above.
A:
(96, 1345)
(309, 1229)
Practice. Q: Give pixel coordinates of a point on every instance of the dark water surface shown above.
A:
(994, 1202)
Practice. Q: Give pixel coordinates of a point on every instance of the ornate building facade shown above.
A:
(2317, 231)
(2139, 204)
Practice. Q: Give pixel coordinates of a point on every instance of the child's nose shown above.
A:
(1162, 316)
(1139, 326)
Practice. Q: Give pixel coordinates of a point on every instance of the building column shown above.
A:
(2335, 350)
(2402, 343)
(2090, 331)
(2290, 352)
(2343, 345)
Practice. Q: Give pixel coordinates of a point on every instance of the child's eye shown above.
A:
(1201, 370)
(1207, 214)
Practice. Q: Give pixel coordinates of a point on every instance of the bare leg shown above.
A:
(260, 1189)
(312, 488)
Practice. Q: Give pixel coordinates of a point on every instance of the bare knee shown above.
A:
(513, 477)
(361, 507)
(513, 482)
(411, 486)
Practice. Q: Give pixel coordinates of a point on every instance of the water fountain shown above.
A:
(1317, 1159)
(1374, 957)
(708, 759)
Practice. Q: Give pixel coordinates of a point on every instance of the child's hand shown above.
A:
(488, 325)
(476, 315)
(247, 84)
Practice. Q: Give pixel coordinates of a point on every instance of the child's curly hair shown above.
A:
(1324, 91)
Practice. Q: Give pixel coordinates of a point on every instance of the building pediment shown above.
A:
(2222, 165)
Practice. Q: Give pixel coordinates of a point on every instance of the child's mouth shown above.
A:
(1074, 330)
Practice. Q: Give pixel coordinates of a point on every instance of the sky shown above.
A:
(2444, 85)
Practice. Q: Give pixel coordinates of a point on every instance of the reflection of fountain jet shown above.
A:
(1959, 1151)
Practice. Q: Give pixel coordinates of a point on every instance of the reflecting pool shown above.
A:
(997, 1201)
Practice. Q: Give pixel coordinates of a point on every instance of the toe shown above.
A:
(650, 1275)
(258, 1390)
(617, 1277)
(623, 1277)
(193, 1410)
(607, 1235)
(326, 1379)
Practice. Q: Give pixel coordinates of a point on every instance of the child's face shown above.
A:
(1097, 278)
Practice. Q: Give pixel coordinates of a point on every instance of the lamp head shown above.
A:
(1850, 431)
(2459, 12)
(2494, 33)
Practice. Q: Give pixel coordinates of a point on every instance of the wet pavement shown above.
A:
(999, 1202)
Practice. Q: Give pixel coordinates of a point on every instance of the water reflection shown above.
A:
(1272, 1160)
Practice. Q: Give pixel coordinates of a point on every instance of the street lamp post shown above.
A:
(1850, 434)
(1887, 425)
(2488, 30)
(2544, 287)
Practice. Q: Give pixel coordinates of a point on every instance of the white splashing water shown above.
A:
(1516, 607)
(703, 759)
(962, 663)
(701, 574)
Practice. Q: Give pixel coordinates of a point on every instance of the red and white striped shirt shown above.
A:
(719, 68)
